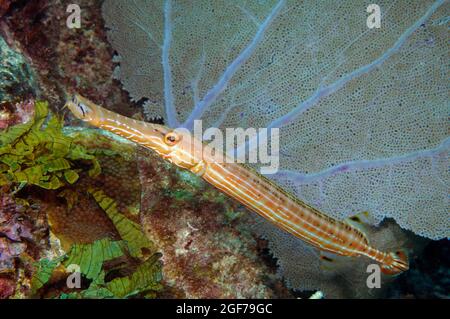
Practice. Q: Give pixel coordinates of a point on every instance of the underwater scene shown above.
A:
(224, 149)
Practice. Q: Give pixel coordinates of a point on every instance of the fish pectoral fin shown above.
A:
(327, 257)
(327, 264)
(330, 261)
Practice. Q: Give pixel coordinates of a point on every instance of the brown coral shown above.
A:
(65, 60)
(207, 252)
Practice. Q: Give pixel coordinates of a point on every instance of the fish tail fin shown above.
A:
(395, 263)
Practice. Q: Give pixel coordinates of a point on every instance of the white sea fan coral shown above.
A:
(363, 112)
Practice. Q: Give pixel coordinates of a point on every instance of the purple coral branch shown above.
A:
(168, 96)
(211, 96)
(303, 178)
(325, 91)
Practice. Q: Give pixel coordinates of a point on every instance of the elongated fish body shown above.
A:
(243, 184)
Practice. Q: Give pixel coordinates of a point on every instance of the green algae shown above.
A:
(42, 153)
(146, 273)
(44, 270)
(90, 257)
(129, 231)
(39, 153)
(146, 279)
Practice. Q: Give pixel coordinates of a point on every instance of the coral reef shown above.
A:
(23, 224)
(15, 113)
(16, 77)
(363, 129)
(23, 238)
(4, 6)
(207, 249)
(107, 270)
(64, 60)
(50, 173)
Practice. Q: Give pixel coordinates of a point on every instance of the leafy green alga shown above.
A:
(38, 153)
(146, 273)
(128, 230)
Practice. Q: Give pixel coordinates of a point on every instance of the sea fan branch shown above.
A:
(302, 178)
(168, 96)
(218, 88)
(326, 91)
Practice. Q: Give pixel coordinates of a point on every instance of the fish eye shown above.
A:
(171, 138)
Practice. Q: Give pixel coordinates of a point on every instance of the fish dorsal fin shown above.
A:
(362, 218)
(361, 222)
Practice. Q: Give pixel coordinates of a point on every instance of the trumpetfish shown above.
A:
(253, 190)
